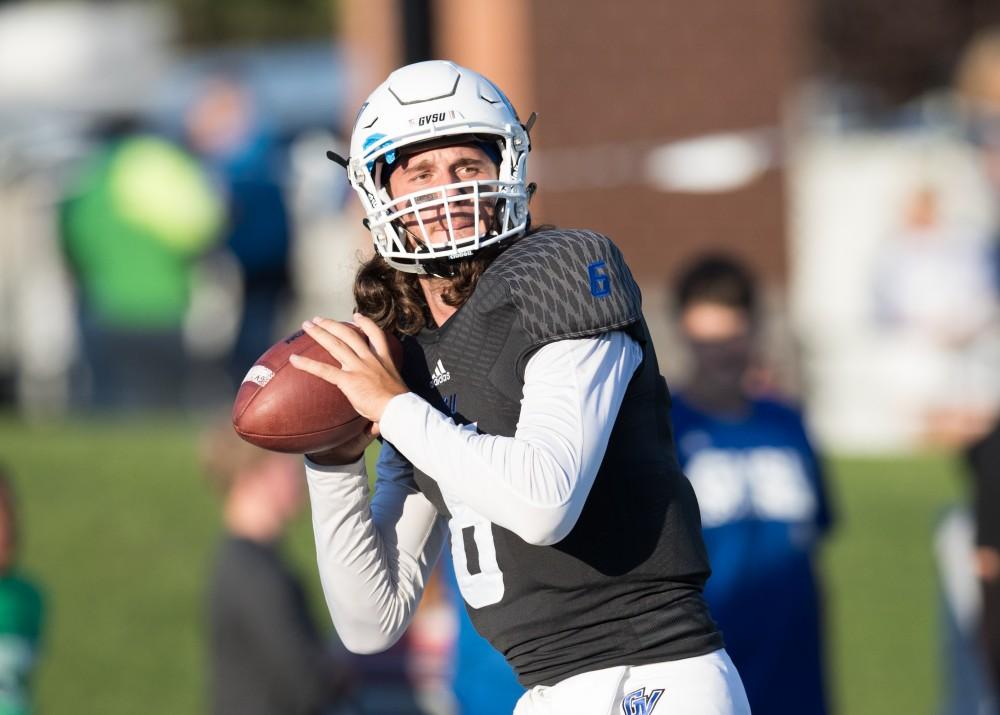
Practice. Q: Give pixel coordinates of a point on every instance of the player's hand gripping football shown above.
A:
(367, 376)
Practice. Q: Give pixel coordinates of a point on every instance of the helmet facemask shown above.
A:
(423, 230)
(432, 226)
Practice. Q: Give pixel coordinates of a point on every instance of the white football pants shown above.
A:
(703, 685)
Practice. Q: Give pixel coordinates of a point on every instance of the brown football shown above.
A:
(287, 410)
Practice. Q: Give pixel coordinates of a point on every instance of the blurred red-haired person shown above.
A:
(266, 654)
(22, 609)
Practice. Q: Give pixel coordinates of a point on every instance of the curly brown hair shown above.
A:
(395, 301)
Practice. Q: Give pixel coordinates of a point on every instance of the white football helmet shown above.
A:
(433, 102)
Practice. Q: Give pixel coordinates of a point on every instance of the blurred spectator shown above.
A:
(407, 679)
(967, 689)
(431, 640)
(978, 91)
(967, 556)
(984, 459)
(266, 654)
(761, 492)
(225, 128)
(21, 615)
(937, 307)
(132, 224)
(383, 684)
(482, 680)
(977, 87)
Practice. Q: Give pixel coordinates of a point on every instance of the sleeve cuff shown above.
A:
(395, 421)
(355, 468)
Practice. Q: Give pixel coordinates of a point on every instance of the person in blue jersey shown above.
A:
(227, 128)
(761, 492)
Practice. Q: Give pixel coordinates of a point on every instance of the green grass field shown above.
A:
(119, 527)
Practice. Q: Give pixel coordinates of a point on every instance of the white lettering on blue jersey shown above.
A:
(766, 483)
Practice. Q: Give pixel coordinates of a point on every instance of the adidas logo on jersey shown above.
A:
(440, 375)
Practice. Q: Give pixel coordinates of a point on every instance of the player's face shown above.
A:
(721, 343)
(437, 167)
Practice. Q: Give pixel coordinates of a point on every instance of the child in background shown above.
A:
(21, 614)
(761, 493)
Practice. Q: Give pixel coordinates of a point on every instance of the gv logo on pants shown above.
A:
(638, 703)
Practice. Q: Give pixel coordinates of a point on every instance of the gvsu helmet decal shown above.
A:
(434, 103)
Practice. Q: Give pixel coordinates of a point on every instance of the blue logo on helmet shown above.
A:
(390, 156)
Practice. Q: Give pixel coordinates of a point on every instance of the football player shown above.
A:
(530, 421)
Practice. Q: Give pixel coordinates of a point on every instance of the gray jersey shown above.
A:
(624, 587)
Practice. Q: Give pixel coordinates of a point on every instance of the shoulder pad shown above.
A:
(565, 284)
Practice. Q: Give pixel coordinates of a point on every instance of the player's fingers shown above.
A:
(314, 367)
(376, 337)
(380, 342)
(347, 334)
(338, 349)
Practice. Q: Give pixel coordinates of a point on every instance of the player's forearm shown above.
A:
(536, 482)
(483, 471)
(374, 559)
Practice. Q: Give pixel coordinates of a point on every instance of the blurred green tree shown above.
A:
(214, 22)
(898, 48)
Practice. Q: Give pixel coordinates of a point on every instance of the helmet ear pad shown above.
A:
(428, 105)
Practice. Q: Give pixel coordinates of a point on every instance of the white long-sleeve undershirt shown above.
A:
(536, 482)
(374, 561)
